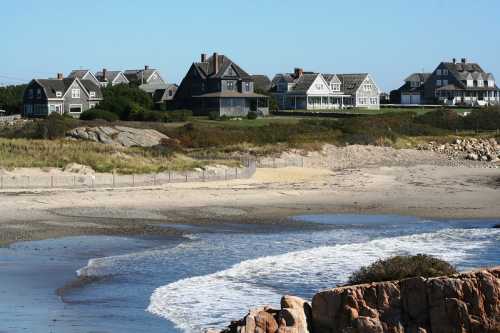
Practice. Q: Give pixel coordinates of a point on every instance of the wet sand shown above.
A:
(269, 197)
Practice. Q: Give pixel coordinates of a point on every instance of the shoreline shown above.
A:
(270, 197)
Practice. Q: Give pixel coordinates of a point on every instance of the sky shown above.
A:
(389, 39)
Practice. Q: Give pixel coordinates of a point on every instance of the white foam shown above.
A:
(214, 300)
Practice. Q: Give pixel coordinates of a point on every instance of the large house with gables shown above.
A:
(452, 83)
(315, 91)
(60, 95)
(217, 84)
(112, 78)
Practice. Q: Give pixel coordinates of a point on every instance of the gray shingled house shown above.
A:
(412, 91)
(114, 78)
(217, 84)
(61, 95)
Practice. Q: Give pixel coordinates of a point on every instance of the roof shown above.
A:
(160, 95)
(418, 77)
(206, 69)
(351, 82)
(52, 86)
(79, 73)
(110, 76)
(304, 82)
(138, 74)
(152, 87)
(261, 82)
(230, 94)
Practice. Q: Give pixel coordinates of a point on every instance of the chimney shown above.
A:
(60, 76)
(146, 67)
(298, 72)
(203, 57)
(454, 60)
(464, 60)
(215, 59)
(104, 74)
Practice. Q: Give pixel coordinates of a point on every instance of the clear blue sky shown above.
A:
(389, 39)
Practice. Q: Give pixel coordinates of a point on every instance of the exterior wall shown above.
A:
(369, 99)
(155, 78)
(120, 79)
(91, 77)
(410, 99)
(35, 104)
(70, 102)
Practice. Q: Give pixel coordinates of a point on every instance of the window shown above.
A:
(58, 94)
(319, 86)
(438, 83)
(230, 85)
(444, 72)
(75, 108)
(39, 93)
(92, 94)
(480, 83)
(170, 93)
(438, 72)
(75, 93)
(367, 87)
(30, 93)
(374, 100)
(52, 108)
(445, 82)
(335, 87)
(247, 86)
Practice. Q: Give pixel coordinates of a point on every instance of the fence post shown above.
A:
(74, 181)
(236, 173)
(51, 181)
(169, 174)
(114, 180)
(133, 180)
(225, 174)
(186, 177)
(203, 175)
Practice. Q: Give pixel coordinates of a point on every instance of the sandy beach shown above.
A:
(270, 196)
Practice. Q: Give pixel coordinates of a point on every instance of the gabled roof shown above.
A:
(418, 77)
(52, 86)
(160, 95)
(152, 87)
(79, 73)
(137, 75)
(206, 68)
(330, 77)
(110, 76)
(304, 82)
(351, 82)
(261, 82)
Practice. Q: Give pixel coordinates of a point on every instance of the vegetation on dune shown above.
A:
(402, 267)
(11, 98)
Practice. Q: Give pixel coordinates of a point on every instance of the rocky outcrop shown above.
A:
(462, 303)
(294, 317)
(468, 148)
(119, 135)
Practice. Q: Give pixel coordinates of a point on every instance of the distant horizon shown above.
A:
(263, 37)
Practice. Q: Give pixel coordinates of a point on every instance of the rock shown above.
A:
(119, 135)
(79, 168)
(468, 148)
(473, 157)
(460, 303)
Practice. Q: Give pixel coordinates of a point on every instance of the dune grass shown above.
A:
(23, 153)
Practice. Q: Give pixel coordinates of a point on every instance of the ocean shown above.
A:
(212, 275)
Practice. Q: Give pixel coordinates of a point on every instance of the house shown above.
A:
(83, 74)
(451, 83)
(165, 95)
(114, 78)
(261, 83)
(316, 91)
(144, 76)
(62, 95)
(412, 91)
(217, 84)
(461, 83)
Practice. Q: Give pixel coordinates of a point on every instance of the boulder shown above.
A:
(119, 135)
(461, 303)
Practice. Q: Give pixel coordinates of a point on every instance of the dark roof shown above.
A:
(418, 77)
(79, 73)
(206, 69)
(160, 95)
(110, 76)
(137, 75)
(52, 86)
(261, 82)
(230, 94)
(451, 87)
(351, 82)
(304, 82)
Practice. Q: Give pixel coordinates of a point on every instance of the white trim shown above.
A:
(116, 77)
(81, 86)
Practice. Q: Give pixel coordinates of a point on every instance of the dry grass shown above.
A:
(23, 153)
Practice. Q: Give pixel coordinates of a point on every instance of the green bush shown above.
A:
(54, 126)
(483, 119)
(252, 115)
(402, 267)
(179, 115)
(446, 119)
(94, 114)
(214, 115)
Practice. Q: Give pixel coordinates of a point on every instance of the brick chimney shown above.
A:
(104, 74)
(215, 62)
(298, 72)
(464, 60)
(60, 76)
(203, 57)
(454, 60)
(146, 67)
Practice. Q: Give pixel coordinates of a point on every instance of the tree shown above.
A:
(11, 98)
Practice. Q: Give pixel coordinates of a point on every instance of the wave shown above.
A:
(214, 300)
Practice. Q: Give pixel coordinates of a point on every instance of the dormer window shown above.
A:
(247, 86)
(38, 93)
(445, 72)
(230, 85)
(438, 72)
(30, 93)
(75, 93)
(58, 94)
(92, 94)
(480, 83)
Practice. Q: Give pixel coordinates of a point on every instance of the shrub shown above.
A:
(179, 115)
(252, 115)
(447, 119)
(402, 267)
(94, 114)
(483, 119)
(214, 115)
(54, 126)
